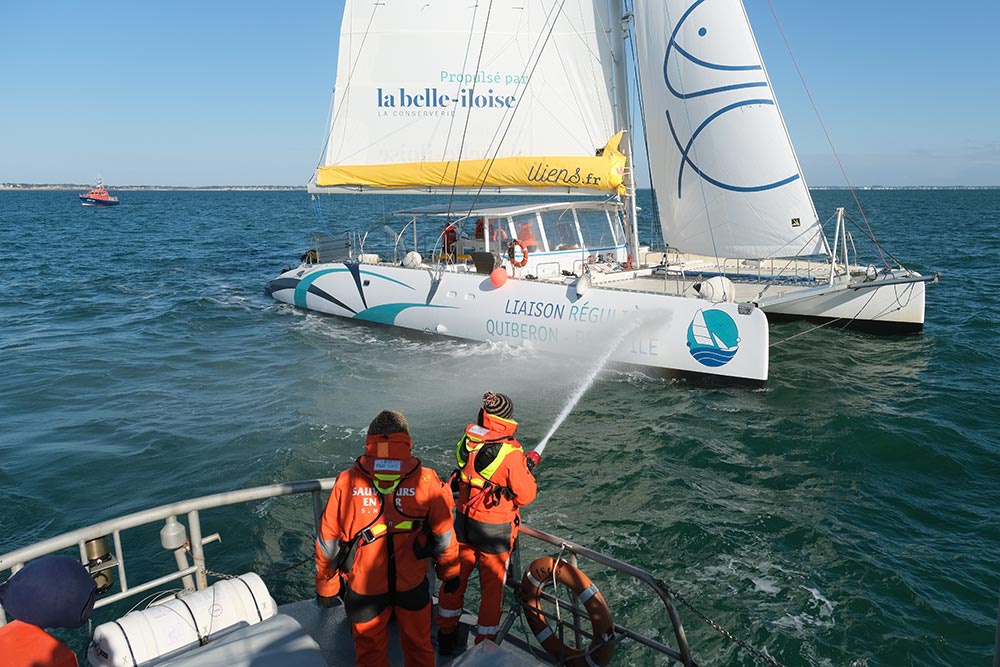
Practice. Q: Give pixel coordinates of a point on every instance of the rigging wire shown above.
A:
(867, 233)
(517, 104)
(656, 224)
(836, 155)
(354, 65)
(472, 90)
(465, 62)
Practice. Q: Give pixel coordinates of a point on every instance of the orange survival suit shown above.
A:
(386, 515)
(493, 484)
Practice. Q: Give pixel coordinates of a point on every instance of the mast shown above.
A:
(619, 33)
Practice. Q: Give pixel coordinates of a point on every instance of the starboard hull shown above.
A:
(897, 307)
(668, 333)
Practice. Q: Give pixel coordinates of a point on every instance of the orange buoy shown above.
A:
(524, 252)
(498, 277)
(544, 571)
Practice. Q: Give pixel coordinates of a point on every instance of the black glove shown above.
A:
(450, 585)
(327, 602)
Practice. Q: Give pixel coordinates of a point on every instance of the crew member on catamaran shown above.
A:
(385, 516)
(494, 482)
(526, 235)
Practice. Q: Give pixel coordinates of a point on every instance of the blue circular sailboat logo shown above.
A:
(713, 338)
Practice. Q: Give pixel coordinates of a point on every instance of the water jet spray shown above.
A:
(535, 456)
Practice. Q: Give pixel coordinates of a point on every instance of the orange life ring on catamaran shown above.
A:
(544, 571)
(510, 253)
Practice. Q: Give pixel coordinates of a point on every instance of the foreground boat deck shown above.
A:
(262, 633)
(306, 635)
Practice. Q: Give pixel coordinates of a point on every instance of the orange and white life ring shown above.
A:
(510, 253)
(546, 570)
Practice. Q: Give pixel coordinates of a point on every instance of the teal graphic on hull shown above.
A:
(713, 338)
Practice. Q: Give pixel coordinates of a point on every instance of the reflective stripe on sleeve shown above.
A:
(489, 629)
(442, 542)
(449, 613)
(329, 548)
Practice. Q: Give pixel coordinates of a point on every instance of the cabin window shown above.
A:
(596, 229)
(529, 232)
(560, 229)
(499, 233)
(616, 228)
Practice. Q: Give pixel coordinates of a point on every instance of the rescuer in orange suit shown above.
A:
(494, 482)
(385, 516)
(526, 235)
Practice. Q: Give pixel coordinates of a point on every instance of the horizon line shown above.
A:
(11, 185)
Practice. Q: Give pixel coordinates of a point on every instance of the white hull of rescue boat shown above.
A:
(893, 302)
(660, 331)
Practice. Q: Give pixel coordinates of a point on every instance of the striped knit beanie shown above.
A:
(498, 404)
(388, 422)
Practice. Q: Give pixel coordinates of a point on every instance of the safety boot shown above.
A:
(448, 642)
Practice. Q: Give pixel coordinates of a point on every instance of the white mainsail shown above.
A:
(727, 181)
(424, 88)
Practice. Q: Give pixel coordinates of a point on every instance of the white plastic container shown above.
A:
(166, 630)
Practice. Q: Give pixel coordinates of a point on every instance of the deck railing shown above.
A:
(189, 542)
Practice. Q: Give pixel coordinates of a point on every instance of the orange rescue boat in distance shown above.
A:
(98, 196)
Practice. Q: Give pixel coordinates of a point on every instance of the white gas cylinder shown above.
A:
(145, 637)
(412, 259)
(718, 289)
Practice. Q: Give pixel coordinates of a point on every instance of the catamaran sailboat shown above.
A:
(533, 98)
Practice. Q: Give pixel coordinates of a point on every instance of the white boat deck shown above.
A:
(306, 635)
(752, 279)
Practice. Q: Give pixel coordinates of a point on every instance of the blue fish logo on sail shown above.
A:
(713, 338)
(721, 89)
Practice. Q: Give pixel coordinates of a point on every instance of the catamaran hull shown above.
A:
(895, 307)
(673, 334)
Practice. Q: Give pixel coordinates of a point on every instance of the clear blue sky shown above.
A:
(237, 93)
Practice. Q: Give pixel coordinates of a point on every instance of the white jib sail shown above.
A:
(726, 177)
(435, 81)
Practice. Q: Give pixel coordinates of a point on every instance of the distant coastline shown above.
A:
(254, 188)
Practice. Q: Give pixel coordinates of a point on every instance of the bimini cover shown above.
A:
(50, 592)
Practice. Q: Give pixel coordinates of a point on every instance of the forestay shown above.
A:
(511, 94)
(726, 177)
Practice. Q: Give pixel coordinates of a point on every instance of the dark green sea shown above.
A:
(848, 514)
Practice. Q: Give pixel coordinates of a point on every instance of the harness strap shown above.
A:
(374, 532)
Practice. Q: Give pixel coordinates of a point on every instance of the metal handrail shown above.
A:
(17, 557)
(194, 575)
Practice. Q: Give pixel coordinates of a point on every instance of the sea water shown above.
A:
(847, 514)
